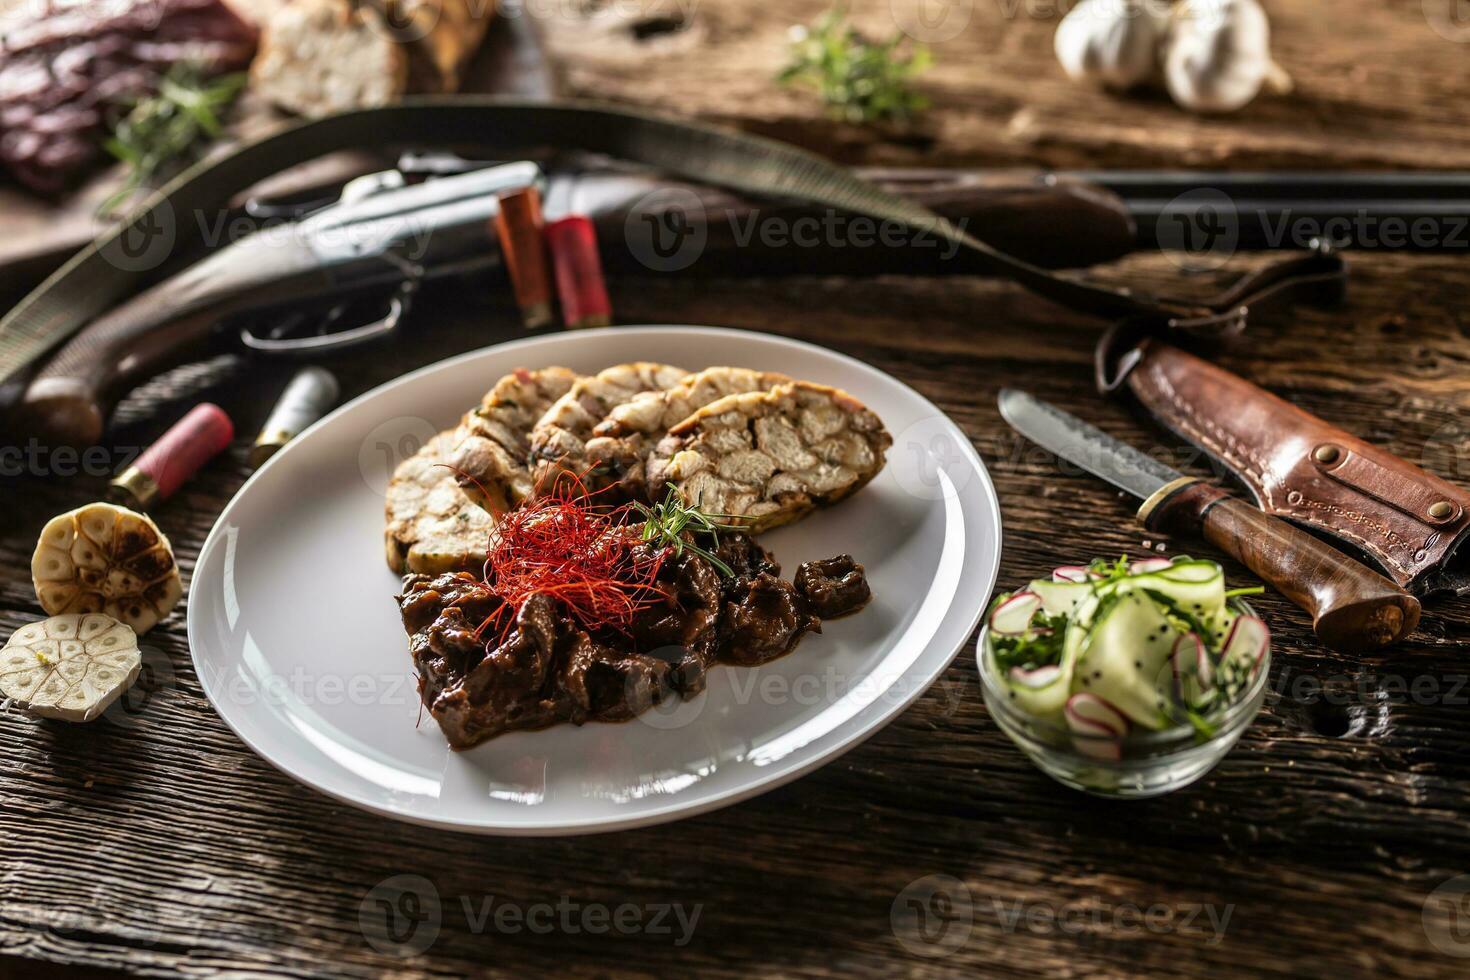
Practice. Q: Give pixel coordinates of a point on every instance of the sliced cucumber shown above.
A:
(1060, 598)
(1125, 657)
(1197, 586)
(1145, 565)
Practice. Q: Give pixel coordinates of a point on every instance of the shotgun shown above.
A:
(282, 290)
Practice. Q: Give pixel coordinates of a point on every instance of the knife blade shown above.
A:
(1352, 606)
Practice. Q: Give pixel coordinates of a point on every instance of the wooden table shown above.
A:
(164, 846)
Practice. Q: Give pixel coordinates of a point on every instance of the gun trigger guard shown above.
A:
(398, 306)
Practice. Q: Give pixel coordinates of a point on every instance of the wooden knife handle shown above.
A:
(1353, 608)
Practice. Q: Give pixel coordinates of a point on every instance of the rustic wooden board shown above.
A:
(161, 845)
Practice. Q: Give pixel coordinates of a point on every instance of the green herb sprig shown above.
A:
(667, 522)
(1039, 646)
(159, 130)
(860, 80)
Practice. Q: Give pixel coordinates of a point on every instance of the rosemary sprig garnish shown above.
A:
(860, 80)
(158, 130)
(666, 523)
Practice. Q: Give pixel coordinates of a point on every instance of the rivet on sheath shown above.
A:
(1326, 454)
(1439, 511)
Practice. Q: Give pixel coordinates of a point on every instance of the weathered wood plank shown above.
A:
(164, 847)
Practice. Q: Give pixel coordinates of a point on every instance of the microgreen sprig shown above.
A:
(158, 130)
(666, 523)
(860, 80)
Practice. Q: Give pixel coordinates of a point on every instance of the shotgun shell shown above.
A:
(518, 224)
(579, 283)
(178, 454)
(310, 394)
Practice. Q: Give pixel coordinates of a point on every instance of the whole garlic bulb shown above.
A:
(1112, 42)
(1217, 56)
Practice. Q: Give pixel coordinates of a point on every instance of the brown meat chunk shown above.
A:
(765, 623)
(833, 587)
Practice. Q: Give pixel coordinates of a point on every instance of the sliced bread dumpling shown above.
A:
(767, 458)
(622, 441)
(559, 441)
(432, 527)
(493, 443)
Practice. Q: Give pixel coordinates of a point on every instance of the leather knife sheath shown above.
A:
(1410, 522)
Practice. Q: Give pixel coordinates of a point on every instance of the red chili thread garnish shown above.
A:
(563, 546)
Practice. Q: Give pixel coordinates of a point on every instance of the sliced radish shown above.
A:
(1247, 639)
(1069, 573)
(1100, 724)
(1145, 565)
(1035, 679)
(1194, 673)
(1089, 708)
(1011, 617)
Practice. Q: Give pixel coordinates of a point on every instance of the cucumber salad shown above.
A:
(1117, 647)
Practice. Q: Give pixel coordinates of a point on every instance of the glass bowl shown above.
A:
(1136, 766)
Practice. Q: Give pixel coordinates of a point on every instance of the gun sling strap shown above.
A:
(100, 275)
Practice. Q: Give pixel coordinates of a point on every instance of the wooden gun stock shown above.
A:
(70, 395)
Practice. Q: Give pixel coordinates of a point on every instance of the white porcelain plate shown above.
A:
(297, 642)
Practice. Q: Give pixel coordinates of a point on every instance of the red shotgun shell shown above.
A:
(178, 454)
(518, 224)
(579, 282)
